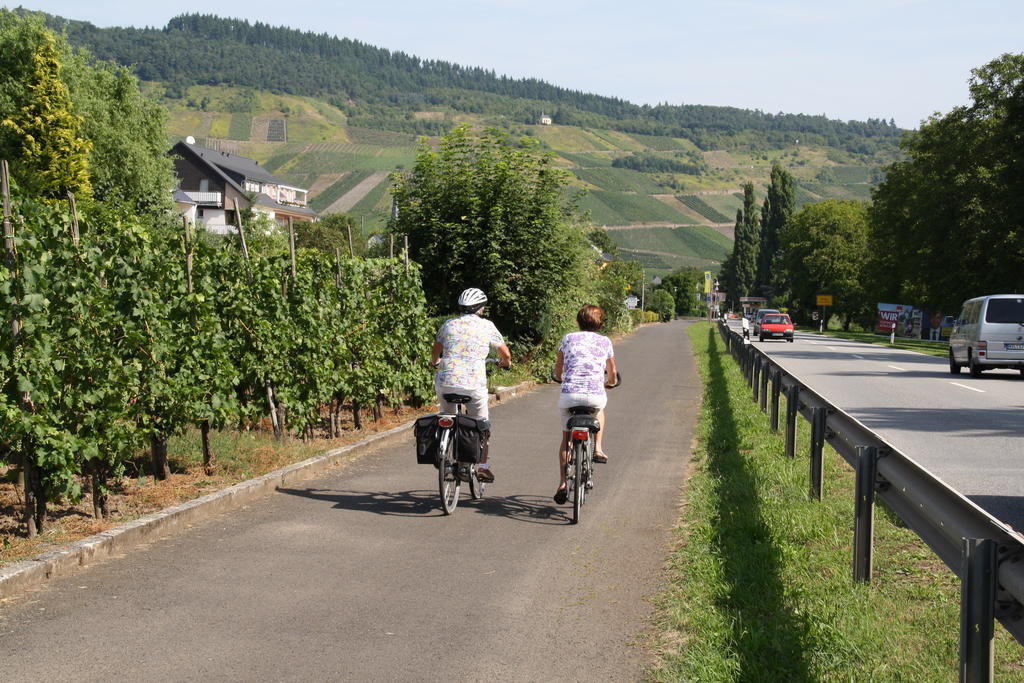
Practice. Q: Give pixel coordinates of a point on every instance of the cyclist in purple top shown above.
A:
(585, 366)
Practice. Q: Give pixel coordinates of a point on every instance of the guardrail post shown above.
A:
(864, 513)
(750, 364)
(817, 450)
(977, 609)
(792, 409)
(776, 391)
(755, 376)
(766, 370)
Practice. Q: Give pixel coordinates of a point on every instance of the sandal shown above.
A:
(561, 495)
(600, 457)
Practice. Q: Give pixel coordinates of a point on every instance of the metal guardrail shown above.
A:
(983, 552)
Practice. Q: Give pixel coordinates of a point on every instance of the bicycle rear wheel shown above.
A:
(579, 488)
(476, 487)
(448, 483)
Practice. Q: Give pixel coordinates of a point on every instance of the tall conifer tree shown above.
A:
(777, 208)
(745, 248)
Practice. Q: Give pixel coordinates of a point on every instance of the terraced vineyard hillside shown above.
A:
(663, 218)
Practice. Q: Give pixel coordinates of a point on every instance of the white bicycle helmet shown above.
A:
(472, 299)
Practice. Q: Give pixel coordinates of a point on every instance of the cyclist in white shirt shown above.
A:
(460, 350)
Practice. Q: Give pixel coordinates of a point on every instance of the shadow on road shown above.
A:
(1007, 509)
(425, 503)
(768, 637)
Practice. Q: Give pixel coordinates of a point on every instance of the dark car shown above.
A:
(761, 312)
(776, 326)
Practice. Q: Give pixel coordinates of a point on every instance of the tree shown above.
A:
(332, 232)
(948, 223)
(600, 239)
(128, 161)
(776, 210)
(70, 123)
(824, 251)
(610, 286)
(682, 284)
(40, 133)
(482, 211)
(743, 261)
(662, 303)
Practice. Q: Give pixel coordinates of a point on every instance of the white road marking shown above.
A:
(831, 348)
(964, 386)
(894, 367)
(858, 356)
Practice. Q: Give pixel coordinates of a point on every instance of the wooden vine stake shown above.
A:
(241, 237)
(28, 478)
(291, 248)
(406, 250)
(351, 252)
(74, 218)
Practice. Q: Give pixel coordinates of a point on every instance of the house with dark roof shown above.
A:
(210, 182)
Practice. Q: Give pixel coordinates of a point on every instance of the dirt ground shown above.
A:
(137, 494)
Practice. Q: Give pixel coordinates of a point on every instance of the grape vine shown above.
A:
(129, 335)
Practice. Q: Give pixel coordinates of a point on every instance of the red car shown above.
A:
(776, 326)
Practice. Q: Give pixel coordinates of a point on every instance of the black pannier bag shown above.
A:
(472, 434)
(427, 440)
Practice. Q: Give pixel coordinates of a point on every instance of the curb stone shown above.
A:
(28, 574)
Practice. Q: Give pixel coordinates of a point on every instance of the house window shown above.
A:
(204, 185)
(200, 213)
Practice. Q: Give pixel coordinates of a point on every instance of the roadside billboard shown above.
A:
(899, 316)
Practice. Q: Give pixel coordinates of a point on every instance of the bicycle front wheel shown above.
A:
(579, 489)
(448, 483)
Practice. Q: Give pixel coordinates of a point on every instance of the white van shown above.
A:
(988, 334)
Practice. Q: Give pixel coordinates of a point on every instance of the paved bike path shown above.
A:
(358, 576)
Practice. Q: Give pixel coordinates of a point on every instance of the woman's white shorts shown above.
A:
(566, 401)
(475, 408)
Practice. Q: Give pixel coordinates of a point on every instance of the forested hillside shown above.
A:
(204, 49)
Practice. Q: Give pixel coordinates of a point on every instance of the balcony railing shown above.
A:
(205, 198)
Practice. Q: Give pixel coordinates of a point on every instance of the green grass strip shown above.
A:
(925, 346)
(760, 585)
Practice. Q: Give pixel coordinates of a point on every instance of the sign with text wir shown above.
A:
(824, 299)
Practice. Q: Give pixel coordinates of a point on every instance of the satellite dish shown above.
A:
(190, 140)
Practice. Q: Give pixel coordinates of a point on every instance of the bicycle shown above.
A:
(579, 471)
(450, 471)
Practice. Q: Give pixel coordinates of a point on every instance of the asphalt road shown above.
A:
(358, 576)
(965, 430)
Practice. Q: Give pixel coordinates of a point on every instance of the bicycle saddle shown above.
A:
(457, 398)
(583, 410)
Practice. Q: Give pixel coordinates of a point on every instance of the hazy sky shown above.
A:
(901, 59)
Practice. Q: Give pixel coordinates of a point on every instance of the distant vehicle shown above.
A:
(988, 334)
(946, 327)
(761, 312)
(776, 326)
